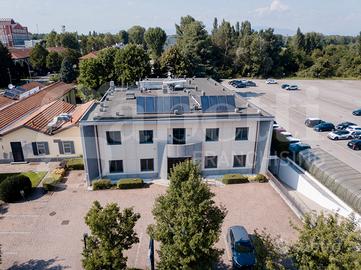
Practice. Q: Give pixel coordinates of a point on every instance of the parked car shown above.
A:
(251, 83)
(344, 125)
(356, 134)
(286, 134)
(271, 81)
(298, 147)
(357, 112)
(324, 127)
(292, 87)
(311, 122)
(241, 247)
(292, 140)
(239, 84)
(284, 86)
(353, 128)
(355, 144)
(340, 135)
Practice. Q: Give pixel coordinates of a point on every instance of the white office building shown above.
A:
(143, 132)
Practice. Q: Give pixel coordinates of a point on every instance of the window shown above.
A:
(212, 134)
(210, 162)
(114, 137)
(179, 136)
(115, 166)
(239, 161)
(145, 136)
(241, 134)
(147, 165)
(40, 148)
(68, 147)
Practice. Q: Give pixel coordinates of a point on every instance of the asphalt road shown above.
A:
(330, 100)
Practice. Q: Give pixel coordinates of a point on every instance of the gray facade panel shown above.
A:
(264, 133)
(90, 152)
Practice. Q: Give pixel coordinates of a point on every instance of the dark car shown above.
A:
(357, 112)
(344, 125)
(284, 86)
(251, 83)
(324, 127)
(298, 147)
(240, 244)
(356, 134)
(239, 84)
(354, 144)
(311, 122)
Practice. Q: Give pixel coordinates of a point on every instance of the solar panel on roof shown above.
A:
(218, 103)
(167, 104)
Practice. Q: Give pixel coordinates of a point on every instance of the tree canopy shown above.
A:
(38, 58)
(136, 35)
(155, 39)
(6, 64)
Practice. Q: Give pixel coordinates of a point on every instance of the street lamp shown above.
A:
(85, 237)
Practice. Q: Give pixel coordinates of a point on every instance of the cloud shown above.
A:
(275, 6)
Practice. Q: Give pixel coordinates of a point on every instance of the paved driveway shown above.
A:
(46, 233)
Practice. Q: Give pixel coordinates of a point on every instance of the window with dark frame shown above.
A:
(116, 166)
(114, 137)
(146, 136)
(68, 147)
(239, 161)
(179, 136)
(41, 146)
(212, 134)
(147, 165)
(210, 162)
(241, 134)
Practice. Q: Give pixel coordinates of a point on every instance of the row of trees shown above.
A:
(188, 225)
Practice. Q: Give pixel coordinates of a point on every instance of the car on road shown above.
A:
(241, 247)
(344, 125)
(324, 127)
(284, 86)
(354, 144)
(340, 135)
(357, 112)
(292, 87)
(271, 81)
(353, 128)
(311, 122)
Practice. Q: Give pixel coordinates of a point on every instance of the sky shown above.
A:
(325, 16)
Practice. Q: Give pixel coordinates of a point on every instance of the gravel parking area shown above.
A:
(46, 232)
(330, 100)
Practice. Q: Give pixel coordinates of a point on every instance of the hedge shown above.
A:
(260, 178)
(129, 183)
(54, 178)
(75, 164)
(235, 179)
(10, 188)
(102, 184)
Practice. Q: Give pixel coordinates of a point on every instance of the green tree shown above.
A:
(155, 39)
(359, 44)
(106, 58)
(67, 72)
(327, 242)
(72, 56)
(38, 58)
(187, 222)
(109, 40)
(52, 39)
(53, 61)
(131, 64)
(299, 40)
(111, 233)
(215, 25)
(123, 37)
(173, 61)
(70, 40)
(6, 65)
(90, 73)
(136, 35)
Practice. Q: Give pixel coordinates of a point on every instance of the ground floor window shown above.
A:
(147, 165)
(68, 147)
(210, 162)
(40, 148)
(115, 166)
(239, 161)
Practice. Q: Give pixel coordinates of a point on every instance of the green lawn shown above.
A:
(35, 177)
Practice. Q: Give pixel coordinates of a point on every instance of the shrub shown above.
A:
(75, 164)
(234, 179)
(10, 188)
(3, 176)
(130, 183)
(102, 184)
(260, 178)
(54, 178)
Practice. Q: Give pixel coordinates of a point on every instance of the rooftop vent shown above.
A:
(129, 95)
(119, 114)
(203, 93)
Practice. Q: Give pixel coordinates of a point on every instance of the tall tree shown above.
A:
(136, 35)
(359, 44)
(53, 61)
(52, 39)
(6, 65)
(111, 233)
(215, 25)
(173, 61)
(187, 222)
(155, 39)
(246, 29)
(91, 73)
(67, 71)
(131, 64)
(38, 58)
(70, 40)
(123, 37)
(299, 40)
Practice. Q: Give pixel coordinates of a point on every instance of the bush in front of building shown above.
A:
(54, 178)
(130, 183)
(75, 164)
(259, 178)
(102, 184)
(236, 178)
(11, 187)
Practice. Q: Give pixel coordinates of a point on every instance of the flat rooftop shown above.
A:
(193, 93)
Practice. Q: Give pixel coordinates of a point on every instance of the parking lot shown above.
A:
(45, 232)
(330, 100)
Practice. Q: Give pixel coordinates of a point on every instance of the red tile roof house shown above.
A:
(42, 127)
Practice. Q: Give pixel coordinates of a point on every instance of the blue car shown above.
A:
(240, 244)
(298, 147)
(324, 127)
(357, 112)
